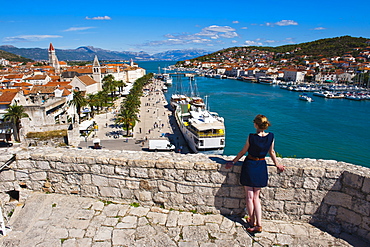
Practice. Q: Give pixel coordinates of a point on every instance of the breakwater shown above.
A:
(331, 195)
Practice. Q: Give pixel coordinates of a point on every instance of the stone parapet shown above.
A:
(331, 195)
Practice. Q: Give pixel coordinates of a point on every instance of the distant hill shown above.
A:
(327, 48)
(13, 58)
(87, 53)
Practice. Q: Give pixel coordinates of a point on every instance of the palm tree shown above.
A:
(78, 101)
(14, 114)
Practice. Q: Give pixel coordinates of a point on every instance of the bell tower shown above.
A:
(53, 60)
(97, 71)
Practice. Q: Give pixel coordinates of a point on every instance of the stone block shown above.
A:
(184, 189)
(164, 164)
(143, 196)
(86, 179)
(361, 206)
(133, 185)
(237, 192)
(155, 173)
(314, 172)
(139, 173)
(197, 176)
(147, 163)
(96, 169)
(160, 198)
(115, 182)
(284, 194)
(333, 173)
(302, 195)
(175, 199)
(366, 185)
(74, 178)
(232, 203)
(122, 170)
(38, 176)
(7, 175)
(126, 193)
(195, 233)
(42, 164)
(98, 180)
(311, 183)
(110, 192)
(21, 175)
(24, 164)
(346, 215)
(165, 186)
(107, 169)
(208, 166)
(184, 165)
(233, 179)
(118, 161)
(173, 174)
(338, 199)
(218, 177)
(352, 180)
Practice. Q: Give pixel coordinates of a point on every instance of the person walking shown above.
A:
(254, 174)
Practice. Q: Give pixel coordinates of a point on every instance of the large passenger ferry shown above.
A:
(203, 130)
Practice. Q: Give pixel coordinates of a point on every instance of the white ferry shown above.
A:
(203, 130)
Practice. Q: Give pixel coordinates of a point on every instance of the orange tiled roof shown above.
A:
(87, 80)
(7, 97)
(42, 89)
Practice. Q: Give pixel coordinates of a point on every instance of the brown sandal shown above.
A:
(255, 229)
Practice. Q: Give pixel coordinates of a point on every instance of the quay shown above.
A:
(156, 122)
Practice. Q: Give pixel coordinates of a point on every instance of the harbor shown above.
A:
(323, 129)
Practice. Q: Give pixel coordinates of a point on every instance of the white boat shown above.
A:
(204, 131)
(305, 97)
(167, 79)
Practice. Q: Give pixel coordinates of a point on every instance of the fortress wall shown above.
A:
(334, 196)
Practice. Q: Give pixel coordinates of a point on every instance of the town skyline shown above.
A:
(157, 27)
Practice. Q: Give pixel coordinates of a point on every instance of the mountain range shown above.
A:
(87, 53)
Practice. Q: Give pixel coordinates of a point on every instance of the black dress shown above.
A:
(254, 172)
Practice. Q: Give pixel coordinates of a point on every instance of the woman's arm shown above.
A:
(229, 164)
(274, 159)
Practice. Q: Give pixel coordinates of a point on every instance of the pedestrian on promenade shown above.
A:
(254, 174)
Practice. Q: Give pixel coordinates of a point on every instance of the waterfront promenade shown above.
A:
(156, 122)
(69, 221)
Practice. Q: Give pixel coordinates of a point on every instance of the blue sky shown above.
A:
(156, 26)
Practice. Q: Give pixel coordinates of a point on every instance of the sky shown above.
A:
(157, 26)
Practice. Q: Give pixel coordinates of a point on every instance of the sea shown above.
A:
(330, 129)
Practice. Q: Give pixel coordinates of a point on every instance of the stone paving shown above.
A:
(69, 220)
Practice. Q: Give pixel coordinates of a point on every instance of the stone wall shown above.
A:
(334, 196)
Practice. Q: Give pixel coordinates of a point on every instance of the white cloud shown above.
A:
(30, 38)
(252, 43)
(235, 22)
(282, 23)
(244, 28)
(319, 28)
(77, 29)
(234, 41)
(98, 18)
(208, 36)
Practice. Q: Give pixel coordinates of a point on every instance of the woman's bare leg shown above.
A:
(249, 202)
(257, 206)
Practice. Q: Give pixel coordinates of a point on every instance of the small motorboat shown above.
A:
(305, 97)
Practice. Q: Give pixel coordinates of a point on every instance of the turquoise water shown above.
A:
(336, 129)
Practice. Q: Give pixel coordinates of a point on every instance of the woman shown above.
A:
(254, 174)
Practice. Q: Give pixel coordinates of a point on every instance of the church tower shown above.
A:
(97, 71)
(53, 60)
